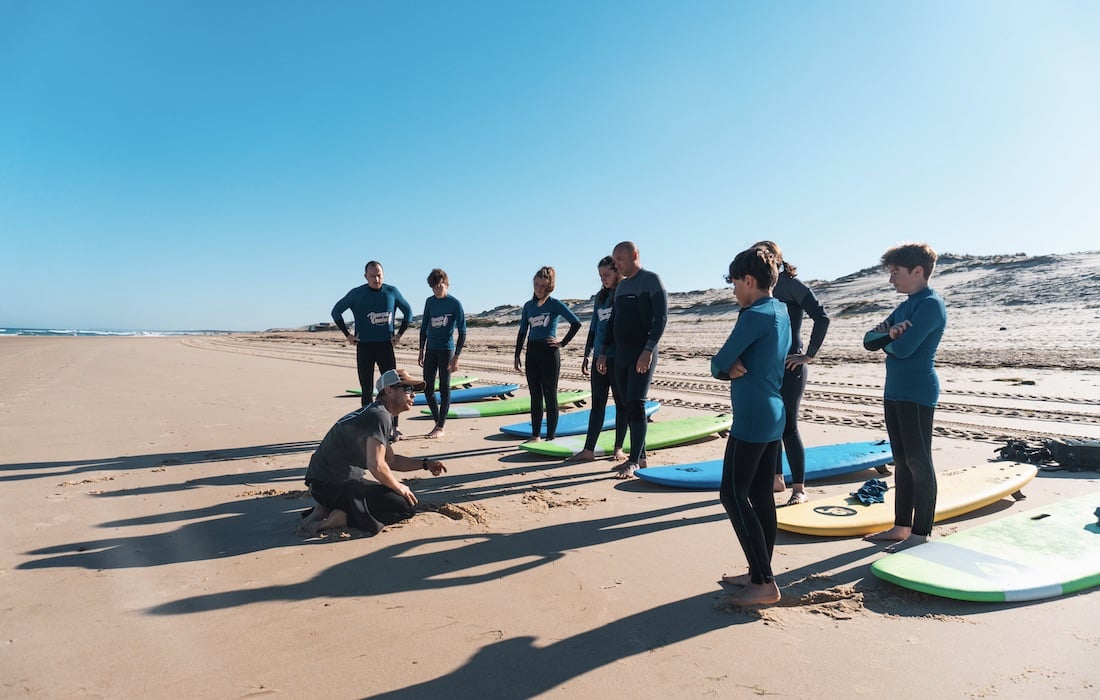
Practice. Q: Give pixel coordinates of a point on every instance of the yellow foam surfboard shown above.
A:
(959, 491)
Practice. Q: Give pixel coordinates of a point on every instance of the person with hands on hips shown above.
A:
(360, 443)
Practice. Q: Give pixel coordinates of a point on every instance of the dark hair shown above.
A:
(773, 248)
(372, 262)
(910, 255)
(605, 261)
(436, 276)
(756, 263)
(547, 273)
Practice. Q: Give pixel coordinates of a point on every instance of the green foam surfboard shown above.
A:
(658, 434)
(509, 407)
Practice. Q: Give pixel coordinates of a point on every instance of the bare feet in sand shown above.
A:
(619, 455)
(779, 486)
(537, 438)
(437, 432)
(626, 470)
(894, 534)
(736, 579)
(333, 519)
(583, 456)
(911, 541)
(797, 496)
(754, 594)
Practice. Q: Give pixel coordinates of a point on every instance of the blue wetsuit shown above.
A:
(373, 311)
(760, 339)
(442, 317)
(537, 323)
(637, 322)
(800, 300)
(909, 403)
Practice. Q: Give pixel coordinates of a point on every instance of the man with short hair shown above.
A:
(357, 444)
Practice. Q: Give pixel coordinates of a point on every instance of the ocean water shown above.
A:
(51, 332)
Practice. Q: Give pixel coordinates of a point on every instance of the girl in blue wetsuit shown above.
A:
(909, 337)
(752, 359)
(538, 324)
(443, 315)
(602, 383)
(800, 300)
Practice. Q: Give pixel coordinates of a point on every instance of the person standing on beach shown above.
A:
(359, 443)
(752, 358)
(538, 324)
(602, 383)
(910, 337)
(443, 315)
(799, 299)
(637, 322)
(373, 307)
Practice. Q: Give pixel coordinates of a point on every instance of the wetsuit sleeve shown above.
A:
(747, 329)
(590, 341)
(608, 333)
(424, 325)
(813, 308)
(522, 331)
(460, 325)
(877, 340)
(574, 324)
(338, 313)
(659, 299)
(405, 309)
(927, 319)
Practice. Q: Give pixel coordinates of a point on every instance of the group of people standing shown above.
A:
(763, 359)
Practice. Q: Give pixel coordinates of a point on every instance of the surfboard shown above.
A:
(959, 491)
(658, 435)
(575, 422)
(477, 393)
(821, 462)
(1039, 553)
(455, 382)
(509, 407)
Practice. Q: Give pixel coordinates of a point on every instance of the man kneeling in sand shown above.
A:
(360, 442)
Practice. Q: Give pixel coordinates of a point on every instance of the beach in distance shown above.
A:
(153, 486)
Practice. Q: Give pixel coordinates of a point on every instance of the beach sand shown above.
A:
(152, 488)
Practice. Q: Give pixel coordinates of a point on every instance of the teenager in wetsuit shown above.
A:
(602, 383)
(638, 320)
(912, 335)
(752, 359)
(799, 299)
(443, 315)
(373, 306)
(538, 324)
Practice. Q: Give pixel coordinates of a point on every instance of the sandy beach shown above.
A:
(153, 485)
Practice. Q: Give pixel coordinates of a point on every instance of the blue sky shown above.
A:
(233, 165)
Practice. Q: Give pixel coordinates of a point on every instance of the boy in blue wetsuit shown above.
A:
(909, 337)
(637, 323)
(752, 359)
(538, 324)
(443, 315)
(373, 306)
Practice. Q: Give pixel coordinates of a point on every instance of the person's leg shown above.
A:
(533, 371)
(600, 384)
(636, 390)
(551, 371)
(443, 359)
(916, 425)
(620, 411)
(364, 365)
(794, 385)
(903, 479)
(431, 370)
(386, 359)
(747, 477)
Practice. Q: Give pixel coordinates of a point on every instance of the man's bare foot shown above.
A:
(619, 455)
(316, 515)
(437, 432)
(736, 579)
(894, 534)
(337, 518)
(583, 456)
(797, 496)
(911, 541)
(535, 439)
(626, 470)
(754, 594)
(780, 484)
(643, 463)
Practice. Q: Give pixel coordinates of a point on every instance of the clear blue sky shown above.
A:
(190, 164)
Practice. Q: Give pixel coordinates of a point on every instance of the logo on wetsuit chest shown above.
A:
(441, 321)
(541, 321)
(604, 314)
(379, 318)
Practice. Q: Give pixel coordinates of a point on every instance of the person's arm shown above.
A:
(406, 313)
(809, 304)
(424, 321)
(590, 341)
(521, 336)
(460, 326)
(338, 315)
(878, 337)
(928, 318)
(574, 325)
(726, 363)
(658, 298)
(380, 457)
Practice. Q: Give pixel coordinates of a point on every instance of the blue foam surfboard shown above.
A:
(477, 393)
(821, 463)
(574, 422)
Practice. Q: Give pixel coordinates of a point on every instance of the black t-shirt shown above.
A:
(342, 454)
